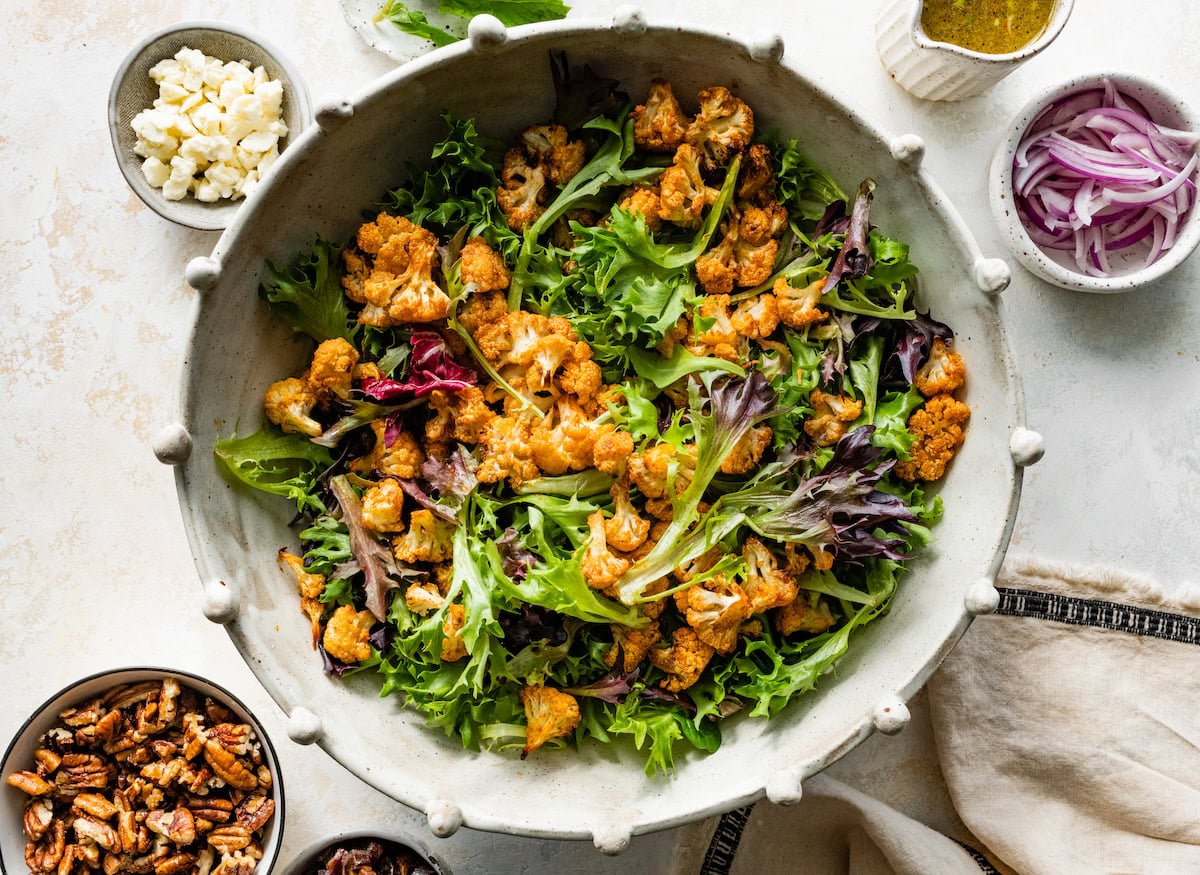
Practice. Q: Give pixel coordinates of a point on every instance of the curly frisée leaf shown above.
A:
(308, 294)
(282, 464)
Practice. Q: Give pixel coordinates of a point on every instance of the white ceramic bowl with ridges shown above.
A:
(343, 165)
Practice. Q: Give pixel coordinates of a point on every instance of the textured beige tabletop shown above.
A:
(94, 565)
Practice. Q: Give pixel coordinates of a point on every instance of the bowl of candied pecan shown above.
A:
(141, 770)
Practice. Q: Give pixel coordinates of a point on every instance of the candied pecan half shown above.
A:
(95, 805)
(82, 771)
(177, 825)
(96, 831)
(30, 782)
(48, 761)
(254, 811)
(227, 839)
(39, 812)
(228, 767)
(45, 855)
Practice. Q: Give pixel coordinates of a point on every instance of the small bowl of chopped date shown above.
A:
(366, 850)
(198, 114)
(1095, 187)
(141, 770)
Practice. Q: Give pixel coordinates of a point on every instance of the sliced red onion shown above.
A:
(1094, 175)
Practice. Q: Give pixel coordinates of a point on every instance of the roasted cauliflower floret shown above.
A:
(402, 459)
(427, 539)
(311, 586)
(483, 308)
(581, 376)
(631, 645)
(800, 615)
(659, 125)
(713, 333)
(650, 470)
(756, 317)
(548, 146)
(747, 452)
(460, 416)
(565, 438)
(423, 598)
(723, 127)
(289, 403)
(674, 336)
(612, 451)
(549, 713)
(516, 338)
(524, 192)
(643, 200)
(798, 307)
(600, 567)
(761, 223)
(757, 175)
(684, 661)
(767, 585)
(716, 609)
(347, 634)
(397, 285)
(508, 451)
(482, 266)
(626, 530)
(682, 192)
(942, 373)
(382, 506)
(831, 415)
(939, 427)
(454, 647)
(716, 269)
(332, 369)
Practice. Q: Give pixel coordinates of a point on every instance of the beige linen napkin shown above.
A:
(1068, 731)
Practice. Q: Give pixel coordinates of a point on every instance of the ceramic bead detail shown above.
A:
(909, 150)
(332, 112)
(220, 603)
(1027, 447)
(486, 32)
(784, 786)
(172, 445)
(203, 273)
(768, 50)
(982, 597)
(992, 275)
(304, 727)
(890, 716)
(612, 840)
(444, 817)
(629, 19)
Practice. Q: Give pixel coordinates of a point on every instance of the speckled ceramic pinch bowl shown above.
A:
(502, 79)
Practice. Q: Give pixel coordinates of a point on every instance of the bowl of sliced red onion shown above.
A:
(1095, 189)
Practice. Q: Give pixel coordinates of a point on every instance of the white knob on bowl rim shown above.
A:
(767, 49)
(220, 603)
(909, 150)
(890, 716)
(1026, 446)
(486, 32)
(303, 726)
(992, 275)
(629, 19)
(172, 445)
(785, 787)
(982, 597)
(444, 817)
(202, 273)
(612, 839)
(332, 112)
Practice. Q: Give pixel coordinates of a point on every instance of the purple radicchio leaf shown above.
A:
(381, 637)
(431, 366)
(914, 341)
(332, 664)
(393, 425)
(854, 259)
(833, 219)
(532, 624)
(655, 694)
(381, 572)
(454, 477)
(414, 491)
(515, 558)
(612, 688)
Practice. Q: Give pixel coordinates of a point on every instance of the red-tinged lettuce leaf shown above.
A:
(854, 259)
(915, 339)
(612, 688)
(530, 625)
(430, 367)
(515, 558)
(381, 572)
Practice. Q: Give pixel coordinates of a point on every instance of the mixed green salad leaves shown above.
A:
(735, 572)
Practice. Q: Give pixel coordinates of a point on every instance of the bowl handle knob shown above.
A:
(220, 603)
(629, 19)
(303, 726)
(982, 597)
(890, 716)
(444, 817)
(1026, 446)
(784, 786)
(172, 445)
(992, 275)
(909, 150)
(486, 32)
(202, 273)
(767, 49)
(612, 839)
(333, 112)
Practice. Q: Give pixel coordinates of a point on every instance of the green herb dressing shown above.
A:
(993, 27)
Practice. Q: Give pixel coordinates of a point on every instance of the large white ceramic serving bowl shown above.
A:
(341, 167)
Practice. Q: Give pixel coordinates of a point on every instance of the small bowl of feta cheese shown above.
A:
(198, 114)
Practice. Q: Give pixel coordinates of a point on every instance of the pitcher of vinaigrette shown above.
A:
(951, 49)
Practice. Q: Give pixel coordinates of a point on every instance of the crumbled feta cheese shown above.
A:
(213, 130)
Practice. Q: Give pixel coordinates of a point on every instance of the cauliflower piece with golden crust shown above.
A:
(396, 285)
(795, 557)
(402, 459)
(427, 539)
(747, 452)
(659, 124)
(626, 530)
(523, 193)
(682, 191)
(718, 339)
(798, 307)
(516, 338)
(684, 661)
(423, 598)
(483, 308)
(757, 175)
(332, 368)
(723, 127)
(767, 585)
(460, 416)
(508, 452)
(565, 438)
(454, 647)
(289, 403)
(549, 713)
(938, 425)
(600, 567)
(347, 634)
(650, 469)
(483, 266)
(756, 317)
(548, 146)
(643, 200)
(382, 506)
(799, 615)
(831, 415)
(675, 335)
(612, 451)
(716, 269)
(581, 376)
(716, 609)
(942, 373)
(631, 645)
(311, 586)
